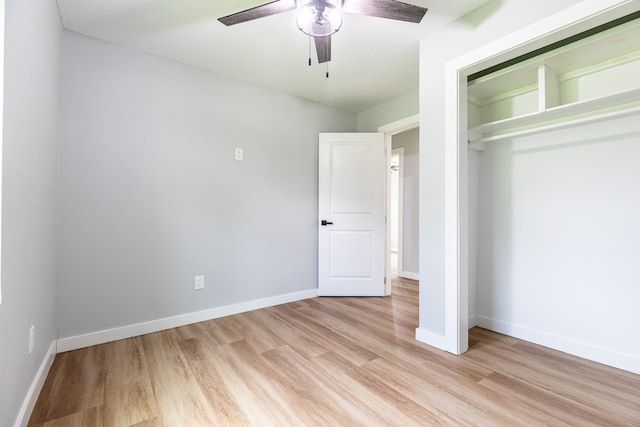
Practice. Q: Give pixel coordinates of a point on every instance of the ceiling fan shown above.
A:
(322, 18)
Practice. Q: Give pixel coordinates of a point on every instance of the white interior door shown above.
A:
(352, 229)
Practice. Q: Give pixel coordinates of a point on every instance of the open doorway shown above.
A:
(395, 208)
(394, 138)
(403, 210)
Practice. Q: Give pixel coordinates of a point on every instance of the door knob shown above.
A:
(324, 222)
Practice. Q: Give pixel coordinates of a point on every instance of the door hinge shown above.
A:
(385, 219)
(385, 280)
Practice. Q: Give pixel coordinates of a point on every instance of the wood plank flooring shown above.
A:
(330, 362)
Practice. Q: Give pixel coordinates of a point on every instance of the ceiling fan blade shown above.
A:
(390, 9)
(272, 8)
(323, 48)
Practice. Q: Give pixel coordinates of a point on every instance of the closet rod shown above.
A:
(555, 126)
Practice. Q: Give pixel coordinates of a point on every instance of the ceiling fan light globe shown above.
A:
(318, 18)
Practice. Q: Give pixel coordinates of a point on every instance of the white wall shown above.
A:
(496, 19)
(410, 251)
(151, 194)
(29, 197)
(560, 238)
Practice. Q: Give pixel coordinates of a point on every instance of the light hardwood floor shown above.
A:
(330, 362)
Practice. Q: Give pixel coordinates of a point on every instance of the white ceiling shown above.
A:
(373, 59)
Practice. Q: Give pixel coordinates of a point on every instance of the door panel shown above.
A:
(351, 254)
(351, 246)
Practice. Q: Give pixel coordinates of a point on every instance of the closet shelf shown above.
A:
(623, 103)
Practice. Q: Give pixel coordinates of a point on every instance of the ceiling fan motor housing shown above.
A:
(319, 18)
(322, 18)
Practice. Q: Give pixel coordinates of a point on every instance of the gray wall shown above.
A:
(410, 250)
(388, 112)
(151, 194)
(32, 38)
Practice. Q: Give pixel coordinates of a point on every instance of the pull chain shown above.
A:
(326, 73)
(328, 46)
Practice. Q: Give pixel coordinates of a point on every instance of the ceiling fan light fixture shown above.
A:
(319, 18)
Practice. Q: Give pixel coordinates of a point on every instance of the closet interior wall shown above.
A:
(554, 238)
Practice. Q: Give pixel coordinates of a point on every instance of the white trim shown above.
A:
(2, 30)
(573, 20)
(36, 387)
(566, 345)
(455, 208)
(400, 126)
(430, 338)
(409, 275)
(100, 337)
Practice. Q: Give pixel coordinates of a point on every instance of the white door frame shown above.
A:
(389, 130)
(571, 21)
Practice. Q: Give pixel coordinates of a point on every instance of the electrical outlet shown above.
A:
(239, 154)
(32, 337)
(199, 282)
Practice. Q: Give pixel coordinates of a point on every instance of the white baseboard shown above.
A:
(36, 387)
(409, 275)
(434, 340)
(623, 361)
(100, 337)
